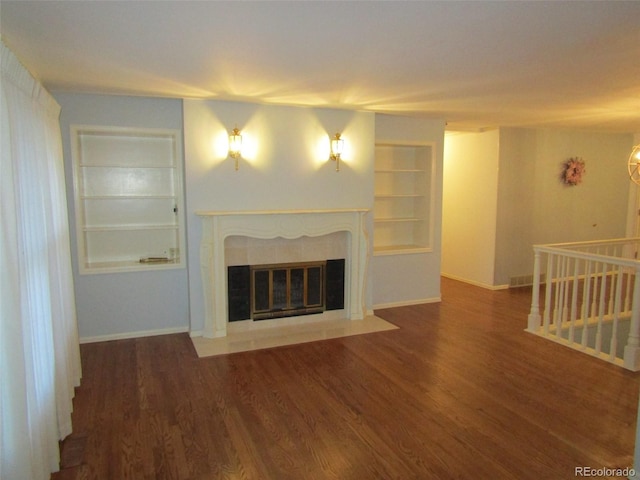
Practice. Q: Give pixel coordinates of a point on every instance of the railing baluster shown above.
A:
(558, 292)
(548, 301)
(601, 309)
(613, 345)
(632, 349)
(611, 292)
(585, 303)
(627, 293)
(575, 283)
(562, 295)
(566, 285)
(596, 277)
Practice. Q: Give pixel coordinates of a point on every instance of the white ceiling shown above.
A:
(478, 64)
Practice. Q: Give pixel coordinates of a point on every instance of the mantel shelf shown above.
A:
(214, 213)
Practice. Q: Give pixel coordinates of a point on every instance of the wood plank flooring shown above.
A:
(458, 391)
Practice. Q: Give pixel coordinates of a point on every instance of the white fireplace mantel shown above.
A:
(289, 224)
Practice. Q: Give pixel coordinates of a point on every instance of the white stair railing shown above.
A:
(591, 293)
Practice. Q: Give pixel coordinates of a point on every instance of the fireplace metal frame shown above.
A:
(290, 309)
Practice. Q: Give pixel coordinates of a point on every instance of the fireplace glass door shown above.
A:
(287, 289)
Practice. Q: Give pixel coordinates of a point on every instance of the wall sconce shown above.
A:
(235, 145)
(337, 146)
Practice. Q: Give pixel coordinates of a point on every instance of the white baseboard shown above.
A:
(477, 284)
(122, 336)
(406, 303)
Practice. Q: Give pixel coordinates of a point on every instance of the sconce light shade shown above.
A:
(337, 146)
(235, 145)
(634, 165)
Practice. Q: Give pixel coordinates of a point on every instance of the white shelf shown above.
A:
(121, 228)
(128, 192)
(403, 198)
(125, 197)
(130, 265)
(399, 195)
(397, 219)
(397, 170)
(121, 165)
(400, 250)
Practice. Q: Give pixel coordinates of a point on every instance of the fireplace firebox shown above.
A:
(261, 292)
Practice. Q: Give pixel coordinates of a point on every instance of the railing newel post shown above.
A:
(534, 320)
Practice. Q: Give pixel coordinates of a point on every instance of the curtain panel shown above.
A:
(39, 351)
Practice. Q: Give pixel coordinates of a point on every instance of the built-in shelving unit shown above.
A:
(403, 198)
(128, 198)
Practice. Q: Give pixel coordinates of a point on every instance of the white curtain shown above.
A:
(39, 352)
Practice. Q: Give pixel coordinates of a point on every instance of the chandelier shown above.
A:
(634, 164)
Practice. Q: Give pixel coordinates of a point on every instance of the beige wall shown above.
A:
(532, 205)
(469, 212)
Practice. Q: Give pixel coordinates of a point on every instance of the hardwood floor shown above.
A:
(458, 391)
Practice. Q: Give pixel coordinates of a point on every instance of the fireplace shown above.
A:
(261, 292)
(287, 290)
(279, 225)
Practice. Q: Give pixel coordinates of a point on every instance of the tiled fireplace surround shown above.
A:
(280, 236)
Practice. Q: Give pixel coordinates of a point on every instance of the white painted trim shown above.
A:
(477, 284)
(120, 265)
(407, 303)
(127, 335)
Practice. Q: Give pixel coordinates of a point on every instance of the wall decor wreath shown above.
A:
(573, 171)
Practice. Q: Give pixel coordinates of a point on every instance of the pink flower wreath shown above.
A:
(573, 171)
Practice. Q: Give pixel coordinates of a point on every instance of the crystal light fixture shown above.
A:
(337, 146)
(235, 145)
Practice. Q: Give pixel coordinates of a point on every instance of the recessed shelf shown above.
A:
(125, 197)
(399, 195)
(113, 228)
(403, 198)
(413, 170)
(397, 219)
(130, 265)
(400, 250)
(128, 192)
(122, 165)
